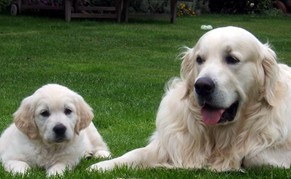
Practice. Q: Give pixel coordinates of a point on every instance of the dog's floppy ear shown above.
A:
(271, 71)
(187, 69)
(187, 63)
(24, 118)
(84, 112)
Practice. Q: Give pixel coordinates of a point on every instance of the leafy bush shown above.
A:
(240, 7)
(263, 6)
(149, 6)
(185, 10)
(4, 5)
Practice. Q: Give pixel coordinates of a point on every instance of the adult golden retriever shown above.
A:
(52, 129)
(229, 108)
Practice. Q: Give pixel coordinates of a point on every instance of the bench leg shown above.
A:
(173, 11)
(68, 10)
(125, 10)
(119, 7)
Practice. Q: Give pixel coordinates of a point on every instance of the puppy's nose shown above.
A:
(59, 129)
(204, 86)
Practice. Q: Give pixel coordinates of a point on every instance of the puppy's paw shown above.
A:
(16, 167)
(57, 169)
(102, 154)
(102, 166)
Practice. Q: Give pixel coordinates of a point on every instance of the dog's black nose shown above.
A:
(59, 129)
(204, 86)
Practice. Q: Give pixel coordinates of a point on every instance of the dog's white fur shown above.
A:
(31, 141)
(260, 133)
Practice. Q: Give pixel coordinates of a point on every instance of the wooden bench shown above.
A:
(72, 8)
(84, 9)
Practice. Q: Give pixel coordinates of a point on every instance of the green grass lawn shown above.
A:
(120, 70)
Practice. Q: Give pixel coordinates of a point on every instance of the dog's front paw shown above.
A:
(226, 167)
(102, 154)
(102, 166)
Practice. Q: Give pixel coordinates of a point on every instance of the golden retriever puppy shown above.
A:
(228, 110)
(52, 129)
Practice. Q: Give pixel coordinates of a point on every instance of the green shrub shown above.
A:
(240, 7)
(4, 5)
(185, 10)
(263, 6)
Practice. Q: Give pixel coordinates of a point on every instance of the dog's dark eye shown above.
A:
(45, 113)
(231, 60)
(67, 111)
(199, 60)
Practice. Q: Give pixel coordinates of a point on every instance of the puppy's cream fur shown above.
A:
(32, 139)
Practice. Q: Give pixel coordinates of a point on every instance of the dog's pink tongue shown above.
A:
(211, 116)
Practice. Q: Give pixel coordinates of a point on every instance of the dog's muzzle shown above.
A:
(212, 113)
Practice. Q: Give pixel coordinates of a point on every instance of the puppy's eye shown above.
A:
(45, 113)
(231, 60)
(199, 60)
(67, 111)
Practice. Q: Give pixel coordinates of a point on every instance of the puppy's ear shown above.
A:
(24, 118)
(271, 71)
(84, 112)
(187, 69)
